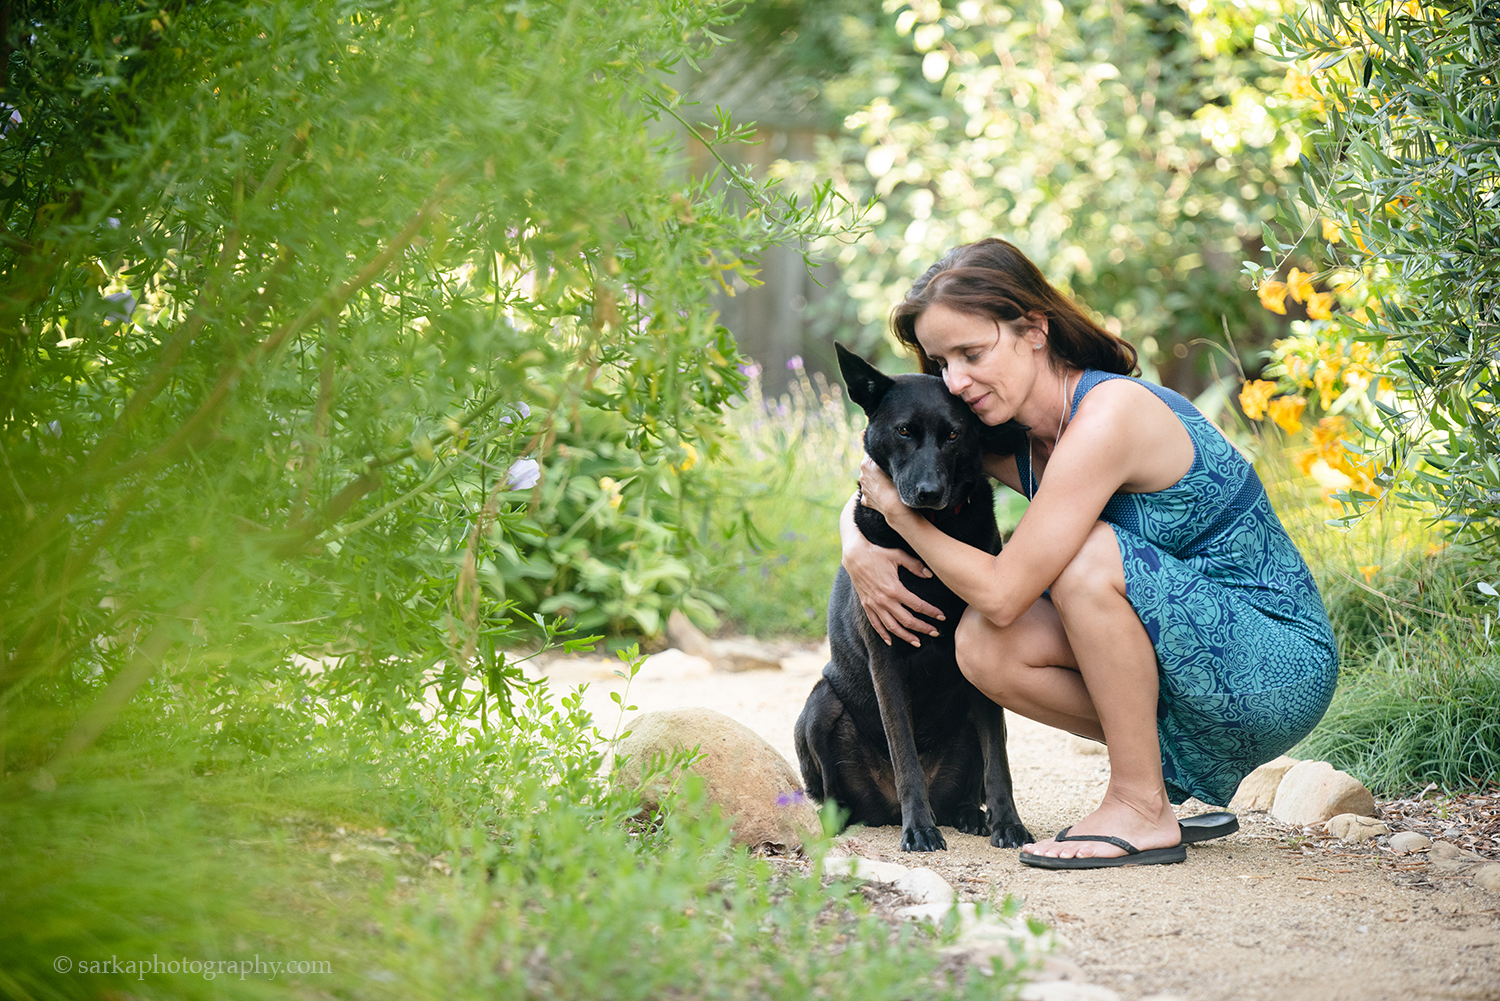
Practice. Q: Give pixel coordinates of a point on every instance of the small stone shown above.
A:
(862, 868)
(935, 912)
(749, 780)
(745, 654)
(682, 634)
(1082, 745)
(674, 664)
(1257, 791)
(1488, 878)
(1448, 850)
(925, 886)
(1313, 792)
(1354, 828)
(1406, 842)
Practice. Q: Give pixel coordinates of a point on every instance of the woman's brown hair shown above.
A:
(993, 278)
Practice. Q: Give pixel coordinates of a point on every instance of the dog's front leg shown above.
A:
(919, 831)
(1006, 829)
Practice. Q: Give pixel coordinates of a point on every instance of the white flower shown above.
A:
(522, 409)
(523, 474)
(125, 305)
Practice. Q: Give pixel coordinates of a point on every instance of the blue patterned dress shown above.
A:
(1244, 651)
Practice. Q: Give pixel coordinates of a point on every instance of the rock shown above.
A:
(682, 634)
(925, 886)
(1257, 790)
(1352, 827)
(1488, 878)
(753, 784)
(1405, 842)
(936, 913)
(734, 656)
(1065, 990)
(1312, 792)
(1082, 745)
(1450, 860)
(673, 663)
(1448, 850)
(862, 868)
(982, 939)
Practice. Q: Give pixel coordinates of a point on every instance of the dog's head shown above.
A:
(925, 438)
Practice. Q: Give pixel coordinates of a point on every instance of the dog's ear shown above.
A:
(867, 384)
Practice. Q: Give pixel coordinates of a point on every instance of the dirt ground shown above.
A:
(1267, 914)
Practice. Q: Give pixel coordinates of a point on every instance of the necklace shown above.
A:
(1031, 453)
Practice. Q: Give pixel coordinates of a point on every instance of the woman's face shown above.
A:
(991, 364)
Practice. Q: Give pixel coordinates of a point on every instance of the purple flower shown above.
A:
(522, 409)
(794, 362)
(795, 798)
(523, 474)
(750, 371)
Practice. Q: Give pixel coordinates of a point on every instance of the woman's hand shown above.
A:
(873, 570)
(878, 492)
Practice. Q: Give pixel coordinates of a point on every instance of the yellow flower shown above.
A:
(1286, 411)
(1299, 283)
(1320, 305)
(1327, 380)
(1273, 296)
(690, 461)
(1369, 572)
(612, 488)
(1332, 232)
(1299, 85)
(1254, 396)
(1354, 235)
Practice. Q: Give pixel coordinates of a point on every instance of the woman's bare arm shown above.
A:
(886, 601)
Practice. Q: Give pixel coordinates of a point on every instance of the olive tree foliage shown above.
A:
(1404, 175)
(1132, 150)
(306, 307)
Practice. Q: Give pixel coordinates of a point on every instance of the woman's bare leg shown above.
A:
(1084, 663)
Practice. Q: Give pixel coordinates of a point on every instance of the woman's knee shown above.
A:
(1095, 573)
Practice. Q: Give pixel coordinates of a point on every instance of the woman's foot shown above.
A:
(1145, 824)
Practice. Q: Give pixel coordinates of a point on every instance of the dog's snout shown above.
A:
(928, 493)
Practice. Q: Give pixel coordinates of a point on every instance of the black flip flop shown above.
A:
(1132, 856)
(1207, 826)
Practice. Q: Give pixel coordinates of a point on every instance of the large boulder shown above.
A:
(1257, 790)
(752, 784)
(1312, 792)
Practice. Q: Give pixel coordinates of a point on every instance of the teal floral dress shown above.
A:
(1244, 651)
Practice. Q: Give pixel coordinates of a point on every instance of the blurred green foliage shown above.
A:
(314, 315)
(1399, 197)
(1132, 150)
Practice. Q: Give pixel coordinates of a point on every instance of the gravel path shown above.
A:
(1263, 914)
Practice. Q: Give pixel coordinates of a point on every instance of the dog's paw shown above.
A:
(1011, 836)
(971, 820)
(922, 839)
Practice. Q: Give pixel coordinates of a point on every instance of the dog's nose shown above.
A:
(928, 494)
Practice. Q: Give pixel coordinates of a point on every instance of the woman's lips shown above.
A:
(976, 401)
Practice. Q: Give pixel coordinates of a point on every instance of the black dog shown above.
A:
(897, 732)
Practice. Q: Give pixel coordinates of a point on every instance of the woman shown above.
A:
(1149, 598)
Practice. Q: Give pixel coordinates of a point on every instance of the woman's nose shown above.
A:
(956, 381)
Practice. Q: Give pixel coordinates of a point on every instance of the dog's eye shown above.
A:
(953, 435)
(903, 432)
